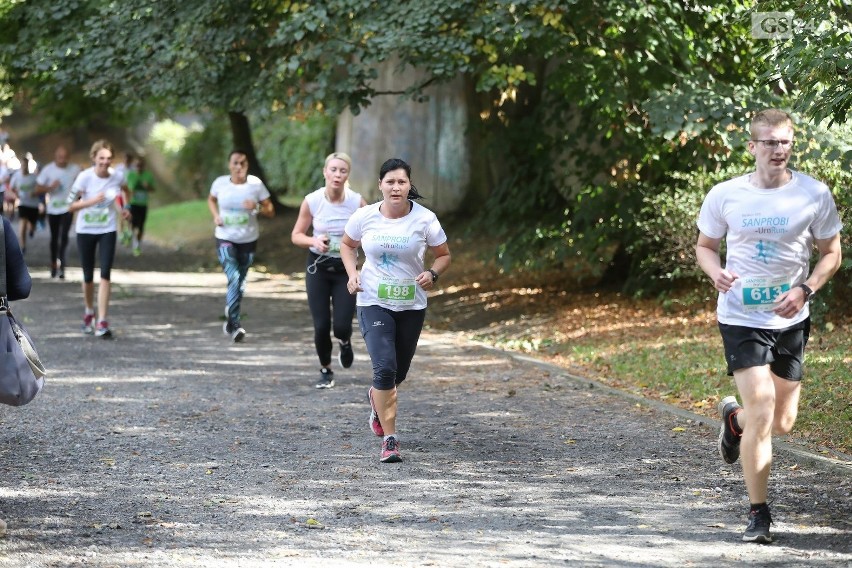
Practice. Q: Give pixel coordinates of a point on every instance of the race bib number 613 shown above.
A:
(759, 294)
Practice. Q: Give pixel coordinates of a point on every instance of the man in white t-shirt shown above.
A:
(235, 202)
(55, 181)
(771, 219)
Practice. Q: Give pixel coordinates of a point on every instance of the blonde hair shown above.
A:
(339, 156)
(770, 117)
(98, 146)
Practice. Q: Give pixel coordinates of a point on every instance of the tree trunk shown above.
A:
(241, 134)
(483, 170)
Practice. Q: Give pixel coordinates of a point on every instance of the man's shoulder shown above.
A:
(734, 183)
(808, 182)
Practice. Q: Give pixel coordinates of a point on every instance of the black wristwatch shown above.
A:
(808, 291)
(434, 275)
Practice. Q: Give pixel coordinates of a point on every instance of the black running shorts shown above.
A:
(782, 349)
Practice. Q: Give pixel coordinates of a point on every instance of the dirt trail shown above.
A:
(168, 446)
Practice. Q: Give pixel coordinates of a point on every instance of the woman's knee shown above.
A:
(343, 330)
(384, 379)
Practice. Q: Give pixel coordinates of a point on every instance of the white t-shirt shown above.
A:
(121, 170)
(330, 218)
(239, 223)
(100, 218)
(24, 185)
(57, 199)
(769, 235)
(395, 250)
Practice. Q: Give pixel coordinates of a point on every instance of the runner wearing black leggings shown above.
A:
(55, 181)
(94, 195)
(395, 234)
(325, 211)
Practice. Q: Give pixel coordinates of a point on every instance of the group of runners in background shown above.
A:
(110, 200)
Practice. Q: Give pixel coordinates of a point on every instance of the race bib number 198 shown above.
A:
(759, 294)
(400, 292)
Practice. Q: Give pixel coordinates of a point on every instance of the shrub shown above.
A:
(667, 232)
(292, 150)
(192, 156)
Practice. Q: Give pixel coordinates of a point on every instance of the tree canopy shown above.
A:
(583, 108)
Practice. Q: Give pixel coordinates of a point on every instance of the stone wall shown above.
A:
(430, 135)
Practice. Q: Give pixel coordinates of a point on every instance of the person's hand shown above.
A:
(321, 243)
(125, 214)
(249, 204)
(56, 183)
(99, 198)
(725, 280)
(354, 284)
(425, 280)
(217, 220)
(790, 303)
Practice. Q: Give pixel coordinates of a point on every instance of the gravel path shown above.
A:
(169, 446)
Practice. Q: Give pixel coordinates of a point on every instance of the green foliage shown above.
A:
(813, 63)
(195, 154)
(169, 137)
(589, 112)
(293, 150)
(204, 157)
(665, 232)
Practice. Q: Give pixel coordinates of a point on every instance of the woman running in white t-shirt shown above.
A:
(95, 195)
(325, 212)
(394, 234)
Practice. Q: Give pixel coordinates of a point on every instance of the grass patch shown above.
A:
(179, 224)
(688, 370)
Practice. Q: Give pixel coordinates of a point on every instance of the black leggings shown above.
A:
(391, 339)
(59, 227)
(87, 244)
(138, 214)
(326, 287)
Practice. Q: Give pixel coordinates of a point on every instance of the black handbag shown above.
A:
(21, 371)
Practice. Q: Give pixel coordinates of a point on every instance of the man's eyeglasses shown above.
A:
(772, 144)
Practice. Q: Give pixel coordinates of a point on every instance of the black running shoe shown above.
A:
(345, 357)
(758, 526)
(326, 379)
(729, 440)
(238, 335)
